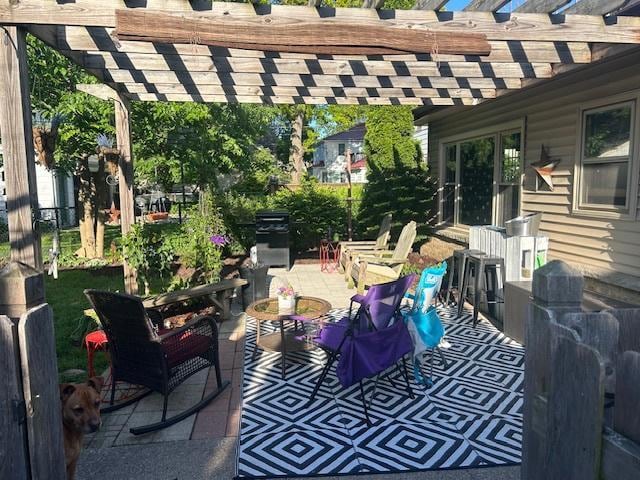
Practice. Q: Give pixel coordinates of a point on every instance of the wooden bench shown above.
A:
(219, 294)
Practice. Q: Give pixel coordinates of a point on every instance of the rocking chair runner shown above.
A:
(370, 342)
(142, 355)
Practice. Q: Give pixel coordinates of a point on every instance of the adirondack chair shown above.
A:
(385, 265)
(349, 250)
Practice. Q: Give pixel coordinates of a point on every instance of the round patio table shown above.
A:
(285, 341)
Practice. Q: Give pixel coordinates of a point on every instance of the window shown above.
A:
(481, 178)
(508, 204)
(605, 153)
(341, 148)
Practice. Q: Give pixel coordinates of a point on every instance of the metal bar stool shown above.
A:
(480, 264)
(459, 259)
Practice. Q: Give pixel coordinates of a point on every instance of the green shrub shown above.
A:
(144, 249)
(313, 212)
(4, 231)
(239, 210)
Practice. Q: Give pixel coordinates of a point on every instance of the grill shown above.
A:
(272, 237)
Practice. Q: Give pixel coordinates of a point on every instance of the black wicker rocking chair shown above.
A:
(159, 362)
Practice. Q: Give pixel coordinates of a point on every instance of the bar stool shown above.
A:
(96, 340)
(460, 259)
(480, 264)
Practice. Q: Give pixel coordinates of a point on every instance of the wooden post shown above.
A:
(125, 185)
(17, 142)
(556, 289)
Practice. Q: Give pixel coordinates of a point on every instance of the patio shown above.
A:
(207, 442)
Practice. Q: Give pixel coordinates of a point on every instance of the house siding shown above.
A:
(550, 113)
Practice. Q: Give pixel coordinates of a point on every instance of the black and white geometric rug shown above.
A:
(471, 417)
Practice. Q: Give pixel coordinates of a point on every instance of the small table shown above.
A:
(284, 341)
(329, 255)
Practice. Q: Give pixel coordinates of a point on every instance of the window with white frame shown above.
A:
(481, 178)
(605, 158)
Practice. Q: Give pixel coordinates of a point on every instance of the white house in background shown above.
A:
(55, 189)
(329, 159)
(421, 134)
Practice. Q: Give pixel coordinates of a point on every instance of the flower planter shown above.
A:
(286, 305)
(157, 216)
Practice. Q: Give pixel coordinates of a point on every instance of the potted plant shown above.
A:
(286, 299)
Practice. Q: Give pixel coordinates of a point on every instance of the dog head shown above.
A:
(81, 405)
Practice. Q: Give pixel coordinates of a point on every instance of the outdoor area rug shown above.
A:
(471, 417)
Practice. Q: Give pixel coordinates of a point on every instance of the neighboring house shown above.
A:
(421, 135)
(54, 190)
(329, 160)
(587, 119)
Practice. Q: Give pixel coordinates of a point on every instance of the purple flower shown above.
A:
(219, 240)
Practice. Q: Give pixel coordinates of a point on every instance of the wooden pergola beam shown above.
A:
(595, 7)
(285, 35)
(496, 26)
(190, 63)
(295, 80)
(541, 6)
(288, 100)
(99, 90)
(429, 4)
(485, 5)
(91, 39)
(328, 92)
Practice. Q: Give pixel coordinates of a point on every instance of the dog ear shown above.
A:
(66, 390)
(96, 383)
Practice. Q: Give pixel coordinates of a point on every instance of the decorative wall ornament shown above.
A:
(545, 167)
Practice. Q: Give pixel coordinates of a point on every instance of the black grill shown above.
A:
(272, 237)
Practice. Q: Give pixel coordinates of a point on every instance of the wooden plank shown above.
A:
(87, 39)
(429, 4)
(13, 459)
(284, 100)
(541, 6)
(194, 63)
(18, 152)
(485, 5)
(99, 90)
(600, 331)
(620, 457)
(342, 92)
(41, 394)
(595, 7)
(190, 293)
(296, 80)
(291, 36)
(575, 412)
(497, 26)
(125, 185)
(626, 420)
(629, 327)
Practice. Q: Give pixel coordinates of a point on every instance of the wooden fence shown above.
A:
(582, 385)
(30, 419)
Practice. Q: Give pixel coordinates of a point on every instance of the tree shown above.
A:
(398, 180)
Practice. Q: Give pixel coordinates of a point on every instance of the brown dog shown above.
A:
(80, 415)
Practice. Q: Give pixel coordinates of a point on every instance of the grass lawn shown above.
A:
(65, 294)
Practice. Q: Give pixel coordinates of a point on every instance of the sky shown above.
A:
(460, 4)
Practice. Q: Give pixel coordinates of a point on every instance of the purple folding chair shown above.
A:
(369, 342)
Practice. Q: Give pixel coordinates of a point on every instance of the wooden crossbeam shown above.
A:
(485, 5)
(99, 90)
(286, 35)
(541, 6)
(190, 63)
(91, 39)
(294, 80)
(337, 92)
(429, 4)
(150, 97)
(496, 26)
(595, 7)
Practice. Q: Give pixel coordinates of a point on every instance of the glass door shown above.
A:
(476, 181)
(509, 177)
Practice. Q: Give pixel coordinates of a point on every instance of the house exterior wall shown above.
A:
(550, 114)
(328, 151)
(421, 134)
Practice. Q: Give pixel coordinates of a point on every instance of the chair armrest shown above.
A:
(358, 298)
(382, 261)
(356, 243)
(192, 324)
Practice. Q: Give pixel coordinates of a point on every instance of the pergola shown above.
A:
(204, 51)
